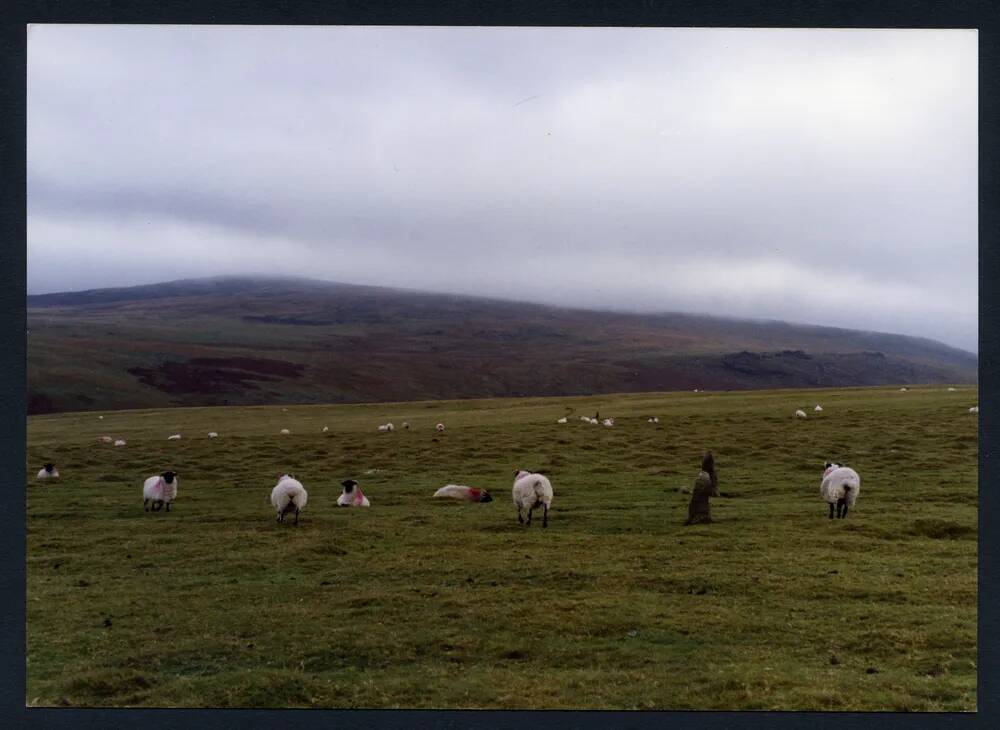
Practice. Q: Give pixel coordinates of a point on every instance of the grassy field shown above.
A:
(421, 603)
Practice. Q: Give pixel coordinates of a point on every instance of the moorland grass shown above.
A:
(424, 603)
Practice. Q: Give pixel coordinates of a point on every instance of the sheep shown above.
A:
(100, 418)
(48, 471)
(951, 390)
(287, 496)
(159, 489)
(818, 408)
(974, 409)
(706, 485)
(440, 427)
(284, 432)
(175, 437)
(325, 429)
(213, 435)
(406, 425)
(352, 495)
(585, 419)
(902, 390)
(468, 494)
(383, 428)
(609, 422)
(563, 420)
(840, 487)
(531, 491)
(389, 427)
(653, 419)
(120, 442)
(105, 439)
(800, 413)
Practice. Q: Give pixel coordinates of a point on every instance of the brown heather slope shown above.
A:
(253, 341)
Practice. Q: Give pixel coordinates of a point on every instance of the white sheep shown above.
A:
(105, 439)
(287, 496)
(352, 496)
(406, 425)
(213, 435)
(562, 420)
(175, 437)
(390, 427)
(460, 491)
(100, 418)
(531, 491)
(951, 390)
(585, 419)
(818, 408)
(383, 428)
(902, 390)
(654, 419)
(609, 422)
(48, 471)
(974, 409)
(440, 427)
(800, 413)
(840, 487)
(325, 429)
(284, 432)
(160, 489)
(120, 442)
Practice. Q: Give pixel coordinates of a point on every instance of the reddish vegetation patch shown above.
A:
(215, 374)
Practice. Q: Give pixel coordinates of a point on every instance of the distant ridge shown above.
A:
(264, 340)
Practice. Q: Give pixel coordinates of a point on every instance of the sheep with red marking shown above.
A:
(159, 490)
(464, 493)
(352, 496)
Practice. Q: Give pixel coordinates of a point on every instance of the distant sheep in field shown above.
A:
(325, 429)
(974, 409)
(105, 439)
(840, 488)
(440, 427)
(48, 471)
(160, 490)
(284, 432)
(609, 422)
(100, 418)
(175, 437)
(951, 390)
(563, 420)
(902, 390)
(352, 496)
(800, 414)
(530, 492)
(213, 435)
(406, 425)
(468, 494)
(585, 419)
(653, 419)
(389, 427)
(120, 442)
(288, 496)
(818, 408)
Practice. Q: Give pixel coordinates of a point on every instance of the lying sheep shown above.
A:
(468, 494)
(48, 471)
(609, 422)
(352, 495)
(800, 413)
(840, 488)
(213, 435)
(284, 432)
(974, 409)
(440, 427)
(530, 492)
(105, 439)
(406, 425)
(562, 420)
(287, 496)
(120, 442)
(160, 489)
(951, 390)
(325, 429)
(818, 408)
(175, 437)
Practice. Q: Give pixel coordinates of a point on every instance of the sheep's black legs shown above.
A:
(145, 505)
(831, 510)
(520, 519)
(845, 511)
(296, 517)
(545, 515)
(529, 514)
(168, 506)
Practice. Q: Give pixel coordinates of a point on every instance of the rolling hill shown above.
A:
(254, 340)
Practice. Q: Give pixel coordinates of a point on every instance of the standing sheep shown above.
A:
(530, 492)
(352, 495)
(48, 471)
(705, 487)
(287, 496)
(840, 487)
(160, 489)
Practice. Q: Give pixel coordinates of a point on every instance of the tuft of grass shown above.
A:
(417, 602)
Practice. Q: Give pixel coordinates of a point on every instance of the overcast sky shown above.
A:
(815, 176)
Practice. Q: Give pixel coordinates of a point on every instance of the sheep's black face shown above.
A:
(827, 465)
(168, 476)
(49, 467)
(348, 485)
(485, 497)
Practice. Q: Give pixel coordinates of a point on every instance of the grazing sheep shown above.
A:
(974, 409)
(213, 435)
(287, 496)
(531, 491)
(284, 432)
(800, 414)
(105, 439)
(48, 471)
(159, 489)
(175, 437)
(563, 420)
(840, 487)
(706, 485)
(352, 495)
(468, 494)
(440, 427)
(818, 408)
(120, 442)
